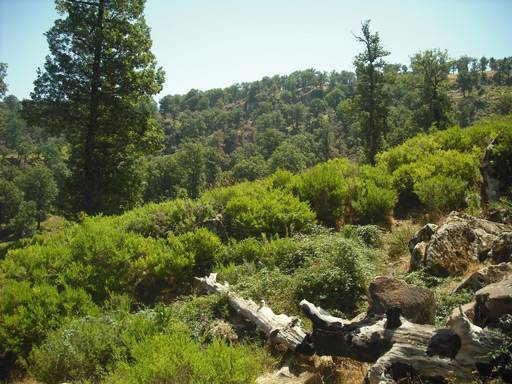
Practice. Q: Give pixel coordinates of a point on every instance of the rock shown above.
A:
(468, 309)
(501, 248)
(417, 304)
(461, 240)
(493, 301)
(418, 256)
(488, 275)
(424, 234)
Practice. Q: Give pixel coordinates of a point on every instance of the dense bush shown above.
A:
(175, 355)
(341, 192)
(254, 209)
(159, 220)
(148, 346)
(29, 311)
(326, 268)
(441, 169)
(335, 273)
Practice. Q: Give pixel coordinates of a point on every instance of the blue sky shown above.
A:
(214, 43)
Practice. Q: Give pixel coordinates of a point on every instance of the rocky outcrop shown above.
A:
(453, 246)
(417, 304)
(493, 302)
(501, 248)
(485, 276)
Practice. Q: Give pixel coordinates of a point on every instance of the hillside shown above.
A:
(113, 298)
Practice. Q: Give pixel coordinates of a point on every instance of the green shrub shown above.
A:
(443, 167)
(447, 302)
(343, 192)
(87, 348)
(29, 312)
(335, 274)
(175, 356)
(326, 189)
(370, 235)
(199, 312)
(159, 220)
(375, 197)
(254, 209)
(398, 240)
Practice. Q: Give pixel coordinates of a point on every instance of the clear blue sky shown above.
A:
(214, 43)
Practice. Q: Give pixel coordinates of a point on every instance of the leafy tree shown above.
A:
(467, 76)
(3, 85)
(24, 222)
(96, 80)
(483, 66)
(10, 199)
(430, 69)
(39, 187)
(371, 98)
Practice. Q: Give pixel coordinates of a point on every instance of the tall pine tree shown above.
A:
(371, 98)
(95, 88)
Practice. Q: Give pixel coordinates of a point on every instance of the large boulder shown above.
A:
(417, 304)
(493, 302)
(501, 248)
(461, 240)
(485, 276)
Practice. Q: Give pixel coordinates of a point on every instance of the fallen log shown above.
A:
(399, 348)
(279, 329)
(396, 347)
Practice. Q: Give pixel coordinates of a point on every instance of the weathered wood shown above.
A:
(280, 329)
(397, 347)
(400, 348)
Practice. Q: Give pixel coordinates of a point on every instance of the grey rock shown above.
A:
(485, 276)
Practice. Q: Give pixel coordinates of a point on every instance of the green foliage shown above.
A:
(335, 273)
(117, 347)
(398, 240)
(342, 192)
(98, 95)
(10, 199)
(38, 186)
(447, 302)
(174, 355)
(159, 220)
(441, 169)
(252, 209)
(29, 311)
(24, 222)
(325, 268)
(370, 235)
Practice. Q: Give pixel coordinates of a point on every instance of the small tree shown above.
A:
(40, 188)
(371, 98)
(3, 85)
(430, 70)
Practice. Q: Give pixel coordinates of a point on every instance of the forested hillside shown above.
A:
(382, 195)
(248, 131)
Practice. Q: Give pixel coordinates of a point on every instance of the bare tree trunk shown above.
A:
(281, 329)
(397, 347)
